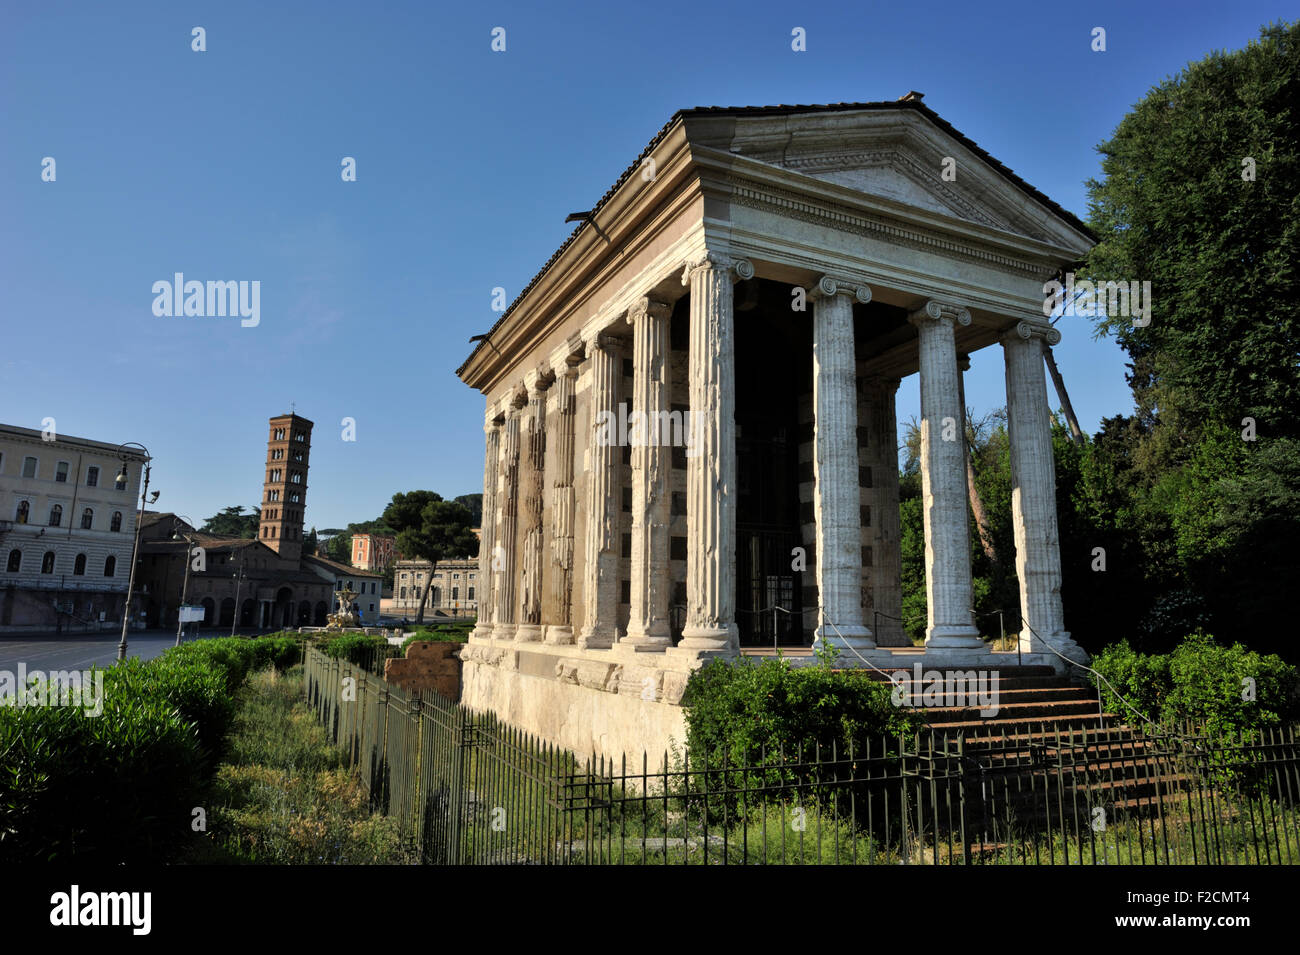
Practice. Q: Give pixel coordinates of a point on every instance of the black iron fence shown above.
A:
(469, 789)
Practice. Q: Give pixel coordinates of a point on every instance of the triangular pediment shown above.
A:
(896, 154)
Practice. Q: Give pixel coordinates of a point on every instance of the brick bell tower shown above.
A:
(284, 495)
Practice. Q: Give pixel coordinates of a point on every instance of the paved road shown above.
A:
(62, 651)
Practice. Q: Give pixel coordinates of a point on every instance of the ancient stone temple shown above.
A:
(691, 436)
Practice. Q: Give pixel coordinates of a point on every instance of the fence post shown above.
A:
(458, 796)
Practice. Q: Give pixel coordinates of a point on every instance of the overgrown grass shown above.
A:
(283, 795)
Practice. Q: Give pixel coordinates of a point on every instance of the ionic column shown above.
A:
(560, 577)
(503, 600)
(948, 589)
(600, 568)
(886, 547)
(648, 624)
(1033, 493)
(836, 498)
(487, 535)
(532, 489)
(711, 460)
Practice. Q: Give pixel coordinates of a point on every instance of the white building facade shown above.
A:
(67, 528)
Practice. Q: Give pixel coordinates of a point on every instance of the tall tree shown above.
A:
(233, 522)
(431, 529)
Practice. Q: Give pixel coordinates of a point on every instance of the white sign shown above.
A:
(192, 614)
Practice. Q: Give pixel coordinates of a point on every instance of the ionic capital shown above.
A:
(644, 307)
(741, 269)
(935, 311)
(828, 287)
(1024, 331)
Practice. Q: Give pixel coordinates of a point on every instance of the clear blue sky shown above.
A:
(225, 165)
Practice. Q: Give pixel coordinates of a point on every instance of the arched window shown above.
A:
(20, 516)
(79, 566)
(87, 519)
(110, 565)
(116, 523)
(56, 515)
(15, 561)
(47, 562)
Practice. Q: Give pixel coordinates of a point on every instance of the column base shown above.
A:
(558, 636)
(528, 633)
(482, 632)
(963, 636)
(1062, 643)
(503, 631)
(725, 640)
(841, 638)
(595, 639)
(646, 641)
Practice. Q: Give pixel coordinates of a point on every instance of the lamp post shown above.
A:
(189, 554)
(239, 584)
(124, 477)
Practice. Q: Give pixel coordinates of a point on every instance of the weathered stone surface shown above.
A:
(533, 480)
(711, 464)
(836, 500)
(600, 586)
(487, 538)
(503, 599)
(428, 665)
(948, 588)
(648, 626)
(884, 535)
(1033, 493)
(559, 627)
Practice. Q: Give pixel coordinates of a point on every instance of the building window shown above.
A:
(471, 594)
(275, 474)
(56, 515)
(79, 566)
(296, 478)
(372, 607)
(298, 456)
(294, 497)
(116, 523)
(87, 519)
(279, 434)
(455, 594)
(15, 561)
(92, 477)
(47, 562)
(110, 566)
(61, 472)
(20, 516)
(300, 436)
(403, 593)
(29, 467)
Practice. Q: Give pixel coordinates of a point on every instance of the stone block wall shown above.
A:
(428, 665)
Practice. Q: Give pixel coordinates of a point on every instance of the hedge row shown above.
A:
(122, 785)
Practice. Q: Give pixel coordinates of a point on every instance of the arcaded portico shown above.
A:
(691, 436)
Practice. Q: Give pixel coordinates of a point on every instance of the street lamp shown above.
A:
(124, 478)
(189, 553)
(239, 583)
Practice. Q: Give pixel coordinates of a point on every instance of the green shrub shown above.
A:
(356, 648)
(121, 786)
(437, 636)
(118, 787)
(1223, 690)
(741, 709)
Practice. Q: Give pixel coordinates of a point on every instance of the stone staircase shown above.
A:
(1049, 749)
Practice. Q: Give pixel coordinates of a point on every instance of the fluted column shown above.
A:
(648, 624)
(836, 497)
(886, 548)
(532, 489)
(503, 600)
(600, 567)
(948, 588)
(487, 534)
(1033, 493)
(560, 628)
(711, 459)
